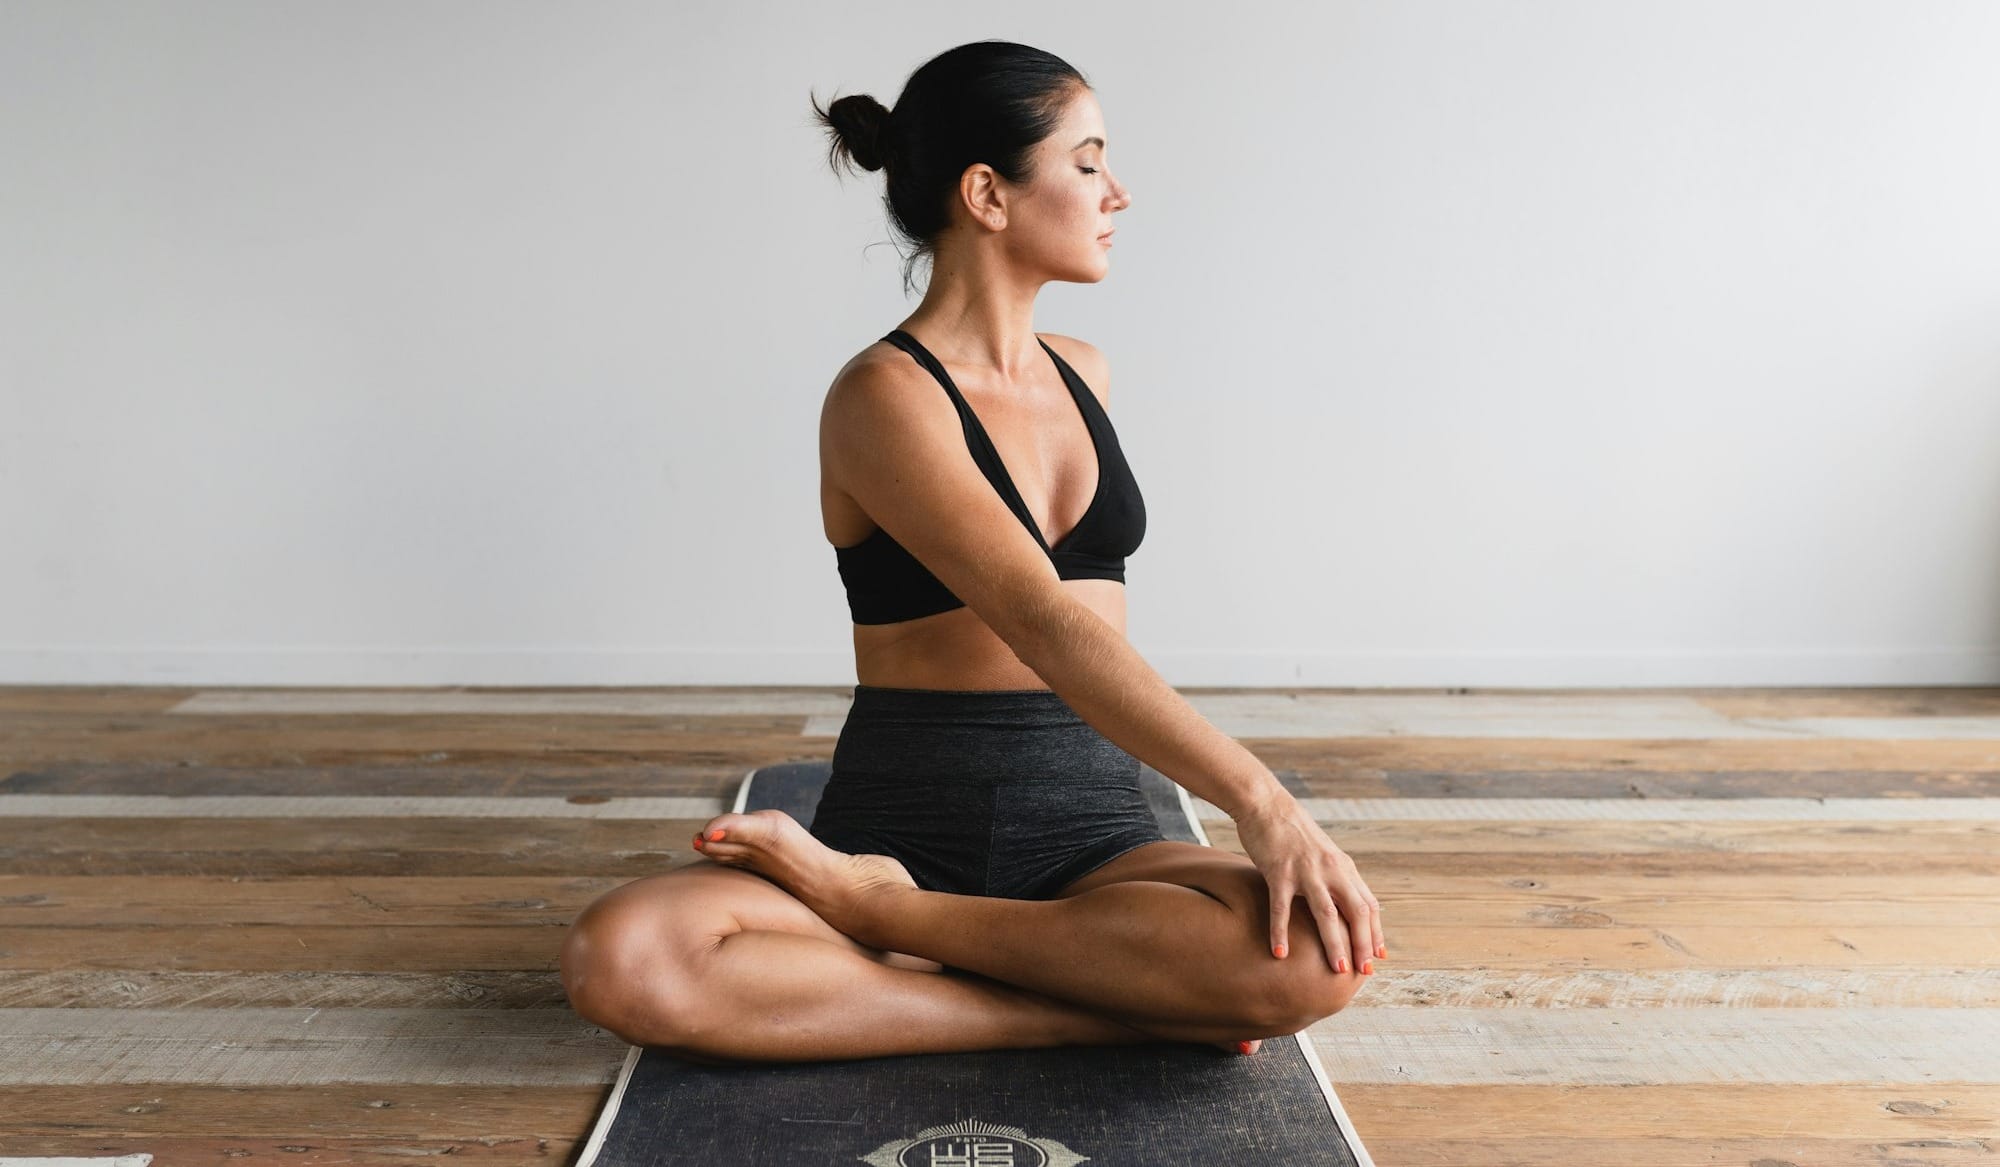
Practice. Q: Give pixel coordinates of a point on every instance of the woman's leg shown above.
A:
(1144, 953)
(720, 965)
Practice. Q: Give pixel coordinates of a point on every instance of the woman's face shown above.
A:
(1056, 222)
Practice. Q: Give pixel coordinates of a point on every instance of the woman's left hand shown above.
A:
(1296, 859)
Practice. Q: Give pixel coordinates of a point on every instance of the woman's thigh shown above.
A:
(1223, 876)
(1228, 878)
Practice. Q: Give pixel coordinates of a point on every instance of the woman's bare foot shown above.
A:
(773, 844)
(832, 883)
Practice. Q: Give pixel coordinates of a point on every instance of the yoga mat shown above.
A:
(1155, 1105)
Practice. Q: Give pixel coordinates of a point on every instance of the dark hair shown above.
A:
(988, 101)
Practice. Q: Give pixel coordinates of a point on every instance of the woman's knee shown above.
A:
(1293, 992)
(627, 962)
(1309, 989)
(1287, 995)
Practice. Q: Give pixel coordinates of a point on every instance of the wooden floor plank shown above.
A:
(335, 740)
(1313, 758)
(1520, 838)
(633, 848)
(1799, 1150)
(1939, 701)
(1603, 719)
(305, 1047)
(1325, 810)
(313, 806)
(1434, 901)
(427, 901)
(303, 1149)
(1395, 984)
(1773, 701)
(104, 700)
(1650, 1126)
(1326, 774)
(383, 846)
(758, 701)
(1440, 1046)
(1645, 784)
(1747, 1110)
(507, 777)
(1653, 1151)
(295, 947)
(1621, 714)
(320, 988)
(1658, 1047)
(191, 742)
(1791, 810)
(1403, 984)
(21, 840)
(389, 948)
(36, 739)
(329, 1110)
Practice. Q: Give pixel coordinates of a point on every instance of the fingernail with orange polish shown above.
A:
(1278, 951)
(715, 836)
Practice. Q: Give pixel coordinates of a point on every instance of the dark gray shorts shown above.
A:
(1002, 793)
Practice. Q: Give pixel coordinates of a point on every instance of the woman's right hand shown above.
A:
(1297, 858)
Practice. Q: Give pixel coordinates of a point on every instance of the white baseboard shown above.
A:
(559, 666)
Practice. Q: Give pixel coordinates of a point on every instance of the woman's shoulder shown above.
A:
(1086, 360)
(878, 383)
(878, 364)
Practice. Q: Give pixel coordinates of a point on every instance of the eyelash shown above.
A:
(1086, 170)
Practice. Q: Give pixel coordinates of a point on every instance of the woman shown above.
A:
(983, 871)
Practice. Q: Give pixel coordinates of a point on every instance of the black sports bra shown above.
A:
(887, 585)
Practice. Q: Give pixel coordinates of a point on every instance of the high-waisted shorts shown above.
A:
(1004, 793)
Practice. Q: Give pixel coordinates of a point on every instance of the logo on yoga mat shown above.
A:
(973, 1144)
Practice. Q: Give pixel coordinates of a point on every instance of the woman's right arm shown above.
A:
(897, 447)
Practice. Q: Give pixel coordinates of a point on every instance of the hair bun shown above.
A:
(863, 124)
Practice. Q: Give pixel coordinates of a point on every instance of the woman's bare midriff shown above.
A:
(956, 650)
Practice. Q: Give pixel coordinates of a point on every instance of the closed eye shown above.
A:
(1086, 170)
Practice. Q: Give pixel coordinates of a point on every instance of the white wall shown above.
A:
(1454, 343)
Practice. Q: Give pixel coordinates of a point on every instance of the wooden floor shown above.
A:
(1645, 928)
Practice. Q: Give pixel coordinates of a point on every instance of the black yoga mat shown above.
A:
(1156, 1105)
